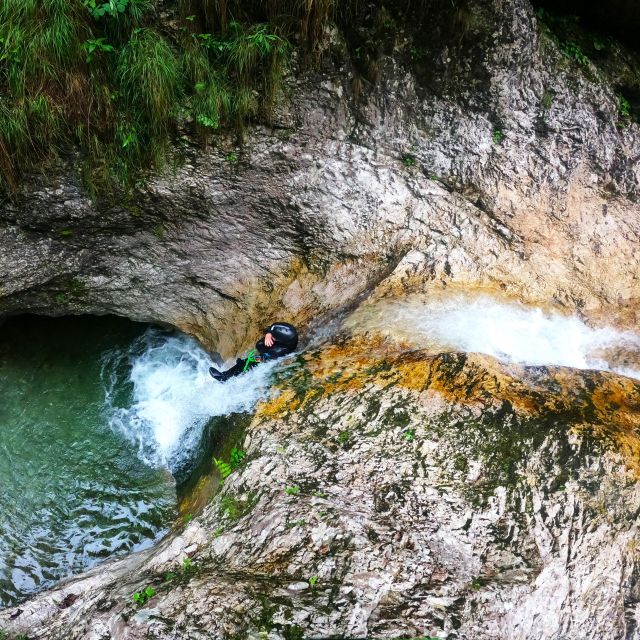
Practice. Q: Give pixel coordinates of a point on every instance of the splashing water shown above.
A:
(508, 331)
(172, 396)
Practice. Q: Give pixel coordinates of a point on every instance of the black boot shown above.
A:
(217, 375)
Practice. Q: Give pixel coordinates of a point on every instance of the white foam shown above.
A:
(506, 330)
(172, 396)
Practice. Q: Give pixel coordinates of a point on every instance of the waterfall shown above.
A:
(509, 331)
(171, 396)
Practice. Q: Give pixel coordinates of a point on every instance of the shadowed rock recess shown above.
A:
(387, 492)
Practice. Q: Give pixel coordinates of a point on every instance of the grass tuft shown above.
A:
(148, 74)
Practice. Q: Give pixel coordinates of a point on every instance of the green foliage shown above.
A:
(409, 435)
(148, 75)
(295, 523)
(142, 597)
(599, 44)
(110, 8)
(574, 52)
(40, 48)
(498, 136)
(408, 160)
(94, 75)
(224, 468)
(235, 508)
(229, 71)
(547, 99)
(292, 491)
(232, 157)
(343, 437)
(313, 580)
(181, 574)
(624, 106)
(236, 459)
(96, 45)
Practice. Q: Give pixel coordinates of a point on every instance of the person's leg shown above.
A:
(237, 369)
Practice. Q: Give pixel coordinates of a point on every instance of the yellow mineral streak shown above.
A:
(606, 404)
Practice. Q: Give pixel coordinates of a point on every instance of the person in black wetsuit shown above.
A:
(280, 339)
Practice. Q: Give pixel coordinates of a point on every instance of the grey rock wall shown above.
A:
(321, 206)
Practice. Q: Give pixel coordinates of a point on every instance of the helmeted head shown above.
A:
(284, 333)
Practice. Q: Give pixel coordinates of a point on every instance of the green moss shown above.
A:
(235, 508)
(547, 99)
(159, 231)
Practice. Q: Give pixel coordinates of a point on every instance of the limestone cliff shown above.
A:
(391, 494)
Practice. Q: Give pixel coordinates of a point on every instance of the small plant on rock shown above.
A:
(573, 51)
(295, 523)
(292, 491)
(142, 597)
(408, 160)
(409, 435)
(236, 459)
(624, 106)
(498, 136)
(547, 99)
(224, 468)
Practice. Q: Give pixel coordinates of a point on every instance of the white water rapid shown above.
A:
(170, 395)
(508, 331)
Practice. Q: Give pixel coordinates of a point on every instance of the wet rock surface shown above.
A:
(393, 494)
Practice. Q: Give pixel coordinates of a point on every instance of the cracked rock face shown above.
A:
(397, 495)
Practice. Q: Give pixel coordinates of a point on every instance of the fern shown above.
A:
(224, 468)
(237, 455)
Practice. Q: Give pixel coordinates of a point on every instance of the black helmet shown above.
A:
(284, 333)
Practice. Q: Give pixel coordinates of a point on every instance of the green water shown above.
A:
(73, 490)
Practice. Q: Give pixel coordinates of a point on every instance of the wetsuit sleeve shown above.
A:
(275, 351)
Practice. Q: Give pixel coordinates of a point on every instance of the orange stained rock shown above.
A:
(605, 403)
